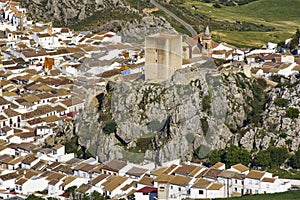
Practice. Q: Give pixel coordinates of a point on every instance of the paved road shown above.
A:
(186, 25)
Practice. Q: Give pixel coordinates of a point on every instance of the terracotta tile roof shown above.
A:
(231, 174)
(58, 146)
(196, 171)
(201, 183)
(158, 171)
(135, 171)
(116, 164)
(51, 119)
(99, 178)
(59, 108)
(170, 169)
(180, 180)
(43, 35)
(30, 173)
(11, 113)
(53, 182)
(87, 168)
(83, 188)
(215, 186)
(16, 160)
(128, 186)
(64, 168)
(163, 178)
(55, 176)
(212, 173)
(21, 181)
(240, 167)
(296, 68)
(41, 110)
(29, 159)
(68, 180)
(218, 165)
(185, 169)
(9, 176)
(146, 180)
(26, 146)
(2, 118)
(53, 165)
(269, 180)
(26, 134)
(2, 100)
(255, 174)
(113, 182)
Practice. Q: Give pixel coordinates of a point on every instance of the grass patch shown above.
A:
(280, 14)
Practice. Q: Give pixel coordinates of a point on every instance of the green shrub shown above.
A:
(281, 102)
(110, 127)
(292, 113)
(206, 101)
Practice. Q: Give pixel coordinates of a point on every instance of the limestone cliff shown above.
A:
(97, 15)
(280, 120)
(192, 113)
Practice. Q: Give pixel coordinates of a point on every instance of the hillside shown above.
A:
(282, 15)
(121, 16)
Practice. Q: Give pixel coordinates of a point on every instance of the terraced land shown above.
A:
(283, 15)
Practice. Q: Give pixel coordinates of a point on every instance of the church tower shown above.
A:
(207, 42)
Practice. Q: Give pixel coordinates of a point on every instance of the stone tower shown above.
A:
(163, 56)
(207, 42)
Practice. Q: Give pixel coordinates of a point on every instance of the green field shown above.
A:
(281, 14)
(290, 195)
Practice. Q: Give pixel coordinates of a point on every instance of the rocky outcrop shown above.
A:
(68, 11)
(280, 121)
(98, 15)
(194, 112)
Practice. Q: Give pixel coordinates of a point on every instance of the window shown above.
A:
(235, 189)
(171, 186)
(179, 189)
(201, 192)
(235, 181)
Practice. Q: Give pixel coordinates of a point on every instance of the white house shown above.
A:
(146, 193)
(112, 186)
(233, 182)
(252, 182)
(29, 162)
(7, 181)
(28, 186)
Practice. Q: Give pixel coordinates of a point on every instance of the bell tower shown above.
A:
(206, 42)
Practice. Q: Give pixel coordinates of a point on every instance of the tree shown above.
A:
(71, 191)
(216, 155)
(262, 159)
(33, 197)
(295, 160)
(131, 197)
(278, 156)
(235, 155)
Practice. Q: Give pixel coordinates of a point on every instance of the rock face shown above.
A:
(98, 15)
(280, 120)
(68, 11)
(171, 120)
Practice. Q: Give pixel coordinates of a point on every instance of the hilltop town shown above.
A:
(46, 74)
